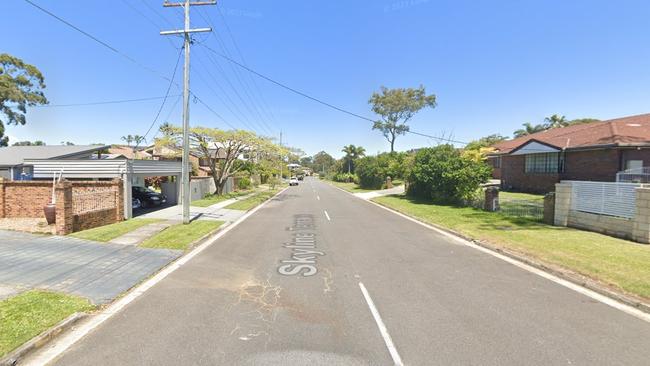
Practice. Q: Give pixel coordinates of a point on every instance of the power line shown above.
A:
(162, 105)
(316, 99)
(103, 102)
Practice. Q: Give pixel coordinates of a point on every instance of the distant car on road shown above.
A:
(301, 177)
(148, 197)
(293, 181)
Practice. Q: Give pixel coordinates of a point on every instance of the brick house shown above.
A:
(594, 151)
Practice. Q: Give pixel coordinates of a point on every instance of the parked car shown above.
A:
(136, 203)
(301, 177)
(148, 197)
(293, 181)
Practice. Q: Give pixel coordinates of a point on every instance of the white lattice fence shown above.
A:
(604, 198)
(94, 201)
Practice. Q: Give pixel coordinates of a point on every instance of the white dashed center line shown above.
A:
(318, 198)
(328, 216)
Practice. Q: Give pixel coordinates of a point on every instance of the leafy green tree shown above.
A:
(396, 107)
(21, 86)
(128, 139)
(323, 162)
(555, 121)
(372, 171)
(139, 139)
(580, 121)
(29, 143)
(445, 175)
(485, 142)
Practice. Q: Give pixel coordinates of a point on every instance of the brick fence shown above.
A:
(26, 199)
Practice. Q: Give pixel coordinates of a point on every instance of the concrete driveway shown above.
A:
(97, 271)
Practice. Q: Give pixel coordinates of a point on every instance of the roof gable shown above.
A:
(15, 155)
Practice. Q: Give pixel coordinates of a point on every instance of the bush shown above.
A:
(371, 175)
(244, 183)
(343, 177)
(445, 175)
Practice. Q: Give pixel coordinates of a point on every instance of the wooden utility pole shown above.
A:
(186, 32)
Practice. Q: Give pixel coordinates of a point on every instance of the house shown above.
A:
(87, 163)
(200, 164)
(130, 152)
(12, 158)
(593, 151)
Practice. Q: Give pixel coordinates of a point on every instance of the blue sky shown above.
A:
(492, 64)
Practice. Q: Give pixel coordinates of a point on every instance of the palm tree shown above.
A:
(128, 139)
(353, 153)
(529, 129)
(139, 139)
(556, 121)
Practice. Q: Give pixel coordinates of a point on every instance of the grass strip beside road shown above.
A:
(615, 262)
(29, 314)
(180, 236)
(213, 199)
(355, 188)
(253, 201)
(110, 232)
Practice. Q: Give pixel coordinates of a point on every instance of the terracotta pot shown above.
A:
(50, 213)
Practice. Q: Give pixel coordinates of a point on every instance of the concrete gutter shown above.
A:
(14, 357)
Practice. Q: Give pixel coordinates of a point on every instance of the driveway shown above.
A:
(97, 271)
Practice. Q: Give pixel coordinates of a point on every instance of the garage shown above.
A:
(132, 172)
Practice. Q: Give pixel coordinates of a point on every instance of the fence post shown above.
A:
(491, 199)
(563, 192)
(549, 208)
(641, 228)
(119, 199)
(64, 214)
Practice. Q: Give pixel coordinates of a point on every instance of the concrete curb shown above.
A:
(557, 271)
(14, 357)
(560, 272)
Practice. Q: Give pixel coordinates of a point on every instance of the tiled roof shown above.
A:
(634, 130)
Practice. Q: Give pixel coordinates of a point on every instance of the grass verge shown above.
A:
(180, 236)
(615, 262)
(110, 232)
(29, 314)
(253, 201)
(351, 187)
(212, 199)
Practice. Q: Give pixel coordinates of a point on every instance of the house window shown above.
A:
(204, 162)
(496, 162)
(634, 164)
(544, 163)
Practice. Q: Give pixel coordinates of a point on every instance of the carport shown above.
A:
(132, 172)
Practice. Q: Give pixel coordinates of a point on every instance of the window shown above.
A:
(544, 163)
(496, 162)
(634, 164)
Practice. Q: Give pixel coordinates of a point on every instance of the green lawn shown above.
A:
(181, 236)
(619, 263)
(253, 201)
(110, 232)
(520, 196)
(29, 314)
(212, 199)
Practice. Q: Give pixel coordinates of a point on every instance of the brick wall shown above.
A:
(514, 178)
(26, 199)
(594, 165)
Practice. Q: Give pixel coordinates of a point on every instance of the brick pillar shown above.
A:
(641, 225)
(119, 199)
(64, 214)
(491, 199)
(562, 203)
(2, 197)
(549, 208)
(389, 183)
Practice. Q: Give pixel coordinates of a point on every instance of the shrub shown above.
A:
(244, 183)
(343, 177)
(445, 175)
(371, 175)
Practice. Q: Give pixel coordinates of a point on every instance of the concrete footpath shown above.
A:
(317, 277)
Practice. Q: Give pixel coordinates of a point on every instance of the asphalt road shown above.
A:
(442, 303)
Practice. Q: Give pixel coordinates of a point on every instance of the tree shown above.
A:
(323, 162)
(21, 86)
(396, 107)
(485, 142)
(29, 143)
(226, 152)
(555, 121)
(128, 139)
(580, 121)
(139, 139)
(529, 129)
(352, 153)
(67, 143)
